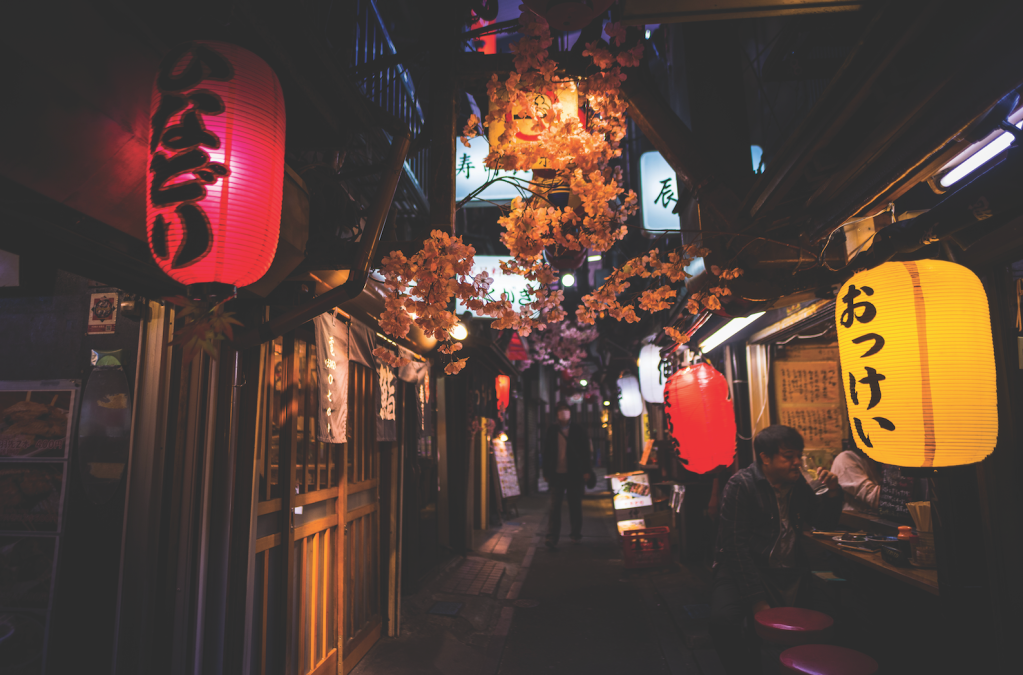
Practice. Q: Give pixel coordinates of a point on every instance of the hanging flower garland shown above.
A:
(421, 288)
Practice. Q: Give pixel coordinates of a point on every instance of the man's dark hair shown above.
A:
(562, 406)
(771, 440)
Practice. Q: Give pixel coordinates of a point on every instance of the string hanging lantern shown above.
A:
(651, 374)
(701, 418)
(910, 402)
(503, 385)
(216, 167)
(630, 402)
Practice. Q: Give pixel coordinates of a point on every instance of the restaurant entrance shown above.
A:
(316, 585)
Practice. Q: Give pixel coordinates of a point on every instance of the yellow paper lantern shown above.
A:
(564, 95)
(918, 364)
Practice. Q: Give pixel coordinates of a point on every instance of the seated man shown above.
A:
(858, 476)
(758, 560)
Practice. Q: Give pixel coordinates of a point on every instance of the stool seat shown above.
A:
(792, 625)
(826, 660)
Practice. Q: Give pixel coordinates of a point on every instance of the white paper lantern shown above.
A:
(651, 377)
(630, 401)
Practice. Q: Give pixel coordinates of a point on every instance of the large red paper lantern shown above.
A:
(701, 419)
(216, 167)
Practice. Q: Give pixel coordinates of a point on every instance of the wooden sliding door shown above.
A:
(361, 574)
(296, 585)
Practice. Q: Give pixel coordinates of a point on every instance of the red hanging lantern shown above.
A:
(503, 384)
(701, 419)
(216, 167)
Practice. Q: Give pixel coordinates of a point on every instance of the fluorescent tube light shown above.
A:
(978, 158)
(727, 331)
(593, 258)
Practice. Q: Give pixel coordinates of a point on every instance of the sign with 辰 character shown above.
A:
(912, 402)
(658, 188)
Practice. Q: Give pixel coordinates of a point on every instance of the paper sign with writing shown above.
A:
(801, 382)
(332, 371)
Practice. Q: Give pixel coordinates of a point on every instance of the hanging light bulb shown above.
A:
(459, 332)
(568, 280)
(583, 382)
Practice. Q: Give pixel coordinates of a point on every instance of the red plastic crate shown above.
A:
(648, 547)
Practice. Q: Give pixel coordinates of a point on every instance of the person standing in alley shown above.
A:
(758, 562)
(567, 469)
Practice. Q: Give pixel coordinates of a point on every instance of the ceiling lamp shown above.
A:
(701, 419)
(215, 175)
(651, 374)
(630, 401)
(910, 402)
(459, 331)
(568, 280)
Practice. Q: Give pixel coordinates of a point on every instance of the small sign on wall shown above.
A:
(102, 313)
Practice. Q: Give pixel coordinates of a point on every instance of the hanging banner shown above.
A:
(362, 342)
(386, 384)
(332, 371)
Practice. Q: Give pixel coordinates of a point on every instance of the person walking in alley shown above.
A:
(567, 469)
(758, 562)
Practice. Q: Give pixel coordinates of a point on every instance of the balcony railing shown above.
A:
(354, 31)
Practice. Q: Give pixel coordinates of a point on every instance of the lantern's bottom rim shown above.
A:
(212, 291)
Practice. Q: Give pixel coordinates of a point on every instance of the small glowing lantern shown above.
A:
(651, 374)
(216, 167)
(701, 419)
(561, 96)
(630, 402)
(911, 402)
(503, 384)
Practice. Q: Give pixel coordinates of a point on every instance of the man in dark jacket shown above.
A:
(758, 561)
(566, 468)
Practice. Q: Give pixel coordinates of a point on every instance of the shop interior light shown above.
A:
(503, 437)
(583, 382)
(568, 280)
(593, 258)
(607, 404)
(459, 332)
(727, 331)
(976, 156)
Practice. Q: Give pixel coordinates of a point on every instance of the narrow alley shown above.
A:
(575, 609)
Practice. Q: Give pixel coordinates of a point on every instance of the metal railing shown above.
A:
(355, 33)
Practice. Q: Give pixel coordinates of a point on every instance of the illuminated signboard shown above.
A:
(658, 192)
(511, 284)
(471, 174)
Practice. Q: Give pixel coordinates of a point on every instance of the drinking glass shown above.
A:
(810, 474)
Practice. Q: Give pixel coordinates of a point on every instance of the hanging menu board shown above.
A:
(808, 397)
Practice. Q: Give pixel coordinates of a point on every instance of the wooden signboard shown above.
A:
(506, 470)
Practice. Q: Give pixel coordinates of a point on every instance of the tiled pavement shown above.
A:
(475, 576)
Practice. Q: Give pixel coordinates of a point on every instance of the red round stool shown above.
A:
(792, 626)
(826, 660)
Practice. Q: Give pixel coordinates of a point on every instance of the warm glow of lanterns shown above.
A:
(913, 400)
(651, 374)
(701, 419)
(562, 96)
(459, 331)
(216, 167)
(503, 385)
(630, 402)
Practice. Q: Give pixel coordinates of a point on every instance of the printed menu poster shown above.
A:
(631, 490)
(809, 398)
(35, 424)
(506, 469)
(30, 494)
